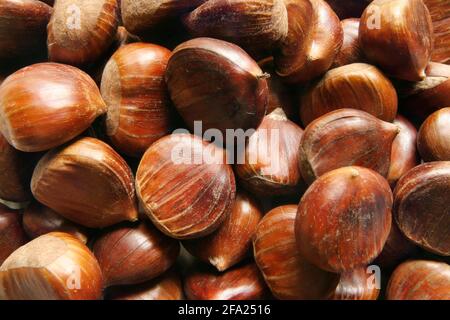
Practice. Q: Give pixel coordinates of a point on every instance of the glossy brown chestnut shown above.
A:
(404, 154)
(12, 235)
(314, 39)
(55, 266)
(138, 102)
(433, 140)
(286, 272)
(80, 31)
(231, 243)
(356, 285)
(421, 206)
(216, 82)
(47, 104)
(348, 8)
(420, 280)
(39, 220)
(86, 182)
(343, 138)
(185, 186)
(351, 51)
(344, 219)
(134, 254)
(256, 26)
(270, 164)
(240, 283)
(440, 15)
(358, 86)
(397, 35)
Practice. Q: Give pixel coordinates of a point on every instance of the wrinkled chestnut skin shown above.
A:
(286, 272)
(12, 235)
(421, 206)
(239, 283)
(132, 254)
(347, 203)
(358, 86)
(420, 280)
(356, 285)
(351, 51)
(434, 137)
(348, 8)
(367, 142)
(231, 243)
(440, 15)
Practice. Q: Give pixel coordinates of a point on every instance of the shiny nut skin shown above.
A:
(434, 137)
(12, 235)
(351, 51)
(356, 285)
(440, 15)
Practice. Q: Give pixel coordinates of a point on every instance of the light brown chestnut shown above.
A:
(358, 86)
(185, 186)
(270, 164)
(133, 87)
(39, 220)
(351, 51)
(343, 138)
(314, 39)
(420, 280)
(286, 272)
(344, 219)
(421, 202)
(132, 254)
(87, 182)
(348, 8)
(356, 284)
(397, 35)
(12, 235)
(218, 83)
(55, 266)
(440, 15)
(434, 137)
(256, 26)
(47, 104)
(80, 31)
(231, 243)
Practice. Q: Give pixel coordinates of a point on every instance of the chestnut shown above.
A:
(344, 219)
(80, 31)
(134, 254)
(12, 235)
(434, 137)
(240, 283)
(47, 104)
(358, 86)
(39, 220)
(356, 285)
(231, 243)
(270, 164)
(440, 14)
(133, 87)
(55, 266)
(286, 272)
(420, 280)
(421, 202)
(397, 35)
(367, 142)
(217, 83)
(86, 182)
(351, 51)
(348, 8)
(185, 186)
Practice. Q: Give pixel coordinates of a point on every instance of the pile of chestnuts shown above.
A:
(225, 149)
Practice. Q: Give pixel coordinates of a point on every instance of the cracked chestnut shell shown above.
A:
(12, 235)
(344, 219)
(356, 285)
(434, 137)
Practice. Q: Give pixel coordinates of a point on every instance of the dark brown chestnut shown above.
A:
(344, 219)
(12, 235)
(356, 285)
(433, 140)
(440, 15)
(351, 51)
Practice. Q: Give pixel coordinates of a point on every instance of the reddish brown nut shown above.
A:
(80, 31)
(344, 219)
(134, 254)
(231, 243)
(185, 186)
(286, 272)
(343, 138)
(351, 51)
(421, 206)
(434, 137)
(55, 266)
(47, 104)
(39, 220)
(138, 102)
(270, 164)
(216, 82)
(420, 280)
(348, 8)
(358, 86)
(397, 36)
(404, 154)
(87, 182)
(357, 284)
(12, 235)
(440, 15)
(240, 283)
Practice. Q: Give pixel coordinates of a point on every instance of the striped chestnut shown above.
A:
(12, 235)
(433, 140)
(357, 284)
